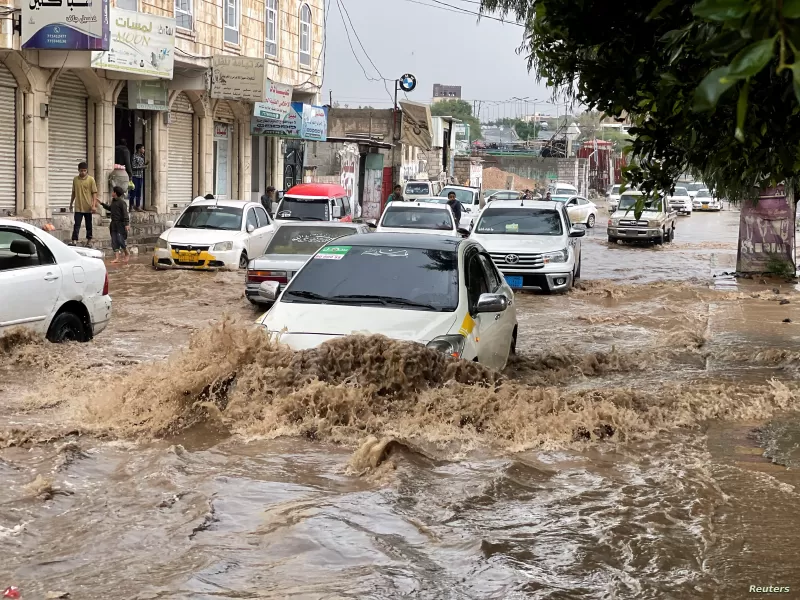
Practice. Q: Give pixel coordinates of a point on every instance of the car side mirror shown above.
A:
(250, 228)
(170, 224)
(372, 224)
(491, 303)
(269, 290)
(463, 232)
(578, 230)
(336, 212)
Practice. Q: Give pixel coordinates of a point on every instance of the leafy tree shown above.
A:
(711, 87)
(461, 110)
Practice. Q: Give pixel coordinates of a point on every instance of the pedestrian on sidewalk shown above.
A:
(84, 199)
(396, 196)
(120, 224)
(138, 164)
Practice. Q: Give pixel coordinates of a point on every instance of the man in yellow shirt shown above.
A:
(84, 198)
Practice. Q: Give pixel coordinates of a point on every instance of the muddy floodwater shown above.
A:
(643, 444)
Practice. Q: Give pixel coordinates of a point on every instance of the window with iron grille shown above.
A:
(184, 14)
(305, 35)
(271, 28)
(232, 8)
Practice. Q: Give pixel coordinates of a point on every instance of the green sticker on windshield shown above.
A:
(333, 252)
(512, 227)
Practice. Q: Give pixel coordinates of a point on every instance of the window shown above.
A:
(271, 29)
(184, 14)
(476, 281)
(20, 250)
(416, 217)
(263, 219)
(212, 216)
(492, 276)
(345, 206)
(305, 35)
(519, 221)
(232, 8)
(251, 219)
(302, 240)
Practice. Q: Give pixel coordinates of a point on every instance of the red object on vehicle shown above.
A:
(317, 190)
(12, 592)
(105, 285)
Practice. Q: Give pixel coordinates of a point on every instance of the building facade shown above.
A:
(446, 92)
(59, 110)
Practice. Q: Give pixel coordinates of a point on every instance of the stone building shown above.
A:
(59, 110)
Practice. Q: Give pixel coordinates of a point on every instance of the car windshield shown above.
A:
(615, 190)
(520, 221)
(417, 217)
(211, 217)
(563, 191)
(385, 277)
(680, 191)
(304, 209)
(295, 239)
(418, 188)
(560, 198)
(628, 201)
(464, 196)
(694, 187)
(703, 194)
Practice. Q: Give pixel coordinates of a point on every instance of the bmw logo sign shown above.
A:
(408, 82)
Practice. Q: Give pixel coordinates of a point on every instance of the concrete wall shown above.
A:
(566, 170)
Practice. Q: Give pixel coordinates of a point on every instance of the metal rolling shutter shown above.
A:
(181, 155)
(8, 135)
(66, 138)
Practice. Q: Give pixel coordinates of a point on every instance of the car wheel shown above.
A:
(670, 234)
(590, 222)
(66, 327)
(612, 239)
(243, 260)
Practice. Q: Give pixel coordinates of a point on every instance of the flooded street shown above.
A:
(643, 444)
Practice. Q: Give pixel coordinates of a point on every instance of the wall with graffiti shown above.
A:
(766, 231)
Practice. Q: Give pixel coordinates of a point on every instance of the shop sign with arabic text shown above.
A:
(277, 103)
(238, 78)
(65, 25)
(140, 43)
(288, 127)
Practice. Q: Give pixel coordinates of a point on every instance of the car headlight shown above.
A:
(614, 222)
(652, 223)
(222, 247)
(556, 257)
(448, 344)
(161, 244)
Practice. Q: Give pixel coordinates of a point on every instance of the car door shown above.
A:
(573, 210)
(486, 327)
(505, 321)
(30, 283)
(266, 229)
(571, 241)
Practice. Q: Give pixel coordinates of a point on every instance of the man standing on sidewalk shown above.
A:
(84, 198)
(136, 195)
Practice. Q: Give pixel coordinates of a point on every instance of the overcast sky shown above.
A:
(436, 45)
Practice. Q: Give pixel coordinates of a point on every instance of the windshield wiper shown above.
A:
(311, 219)
(309, 296)
(386, 300)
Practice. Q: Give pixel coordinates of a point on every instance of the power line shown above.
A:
(350, 42)
(460, 10)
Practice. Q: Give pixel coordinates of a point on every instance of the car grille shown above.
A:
(630, 223)
(188, 248)
(525, 261)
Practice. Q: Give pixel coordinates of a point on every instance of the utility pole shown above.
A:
(331, 98)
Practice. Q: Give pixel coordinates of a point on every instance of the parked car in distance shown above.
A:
(694, 187)
(419, 217)
(613, 195)
(214, 234)
(656, 223)
(316, 202)
(291, 246)
(681, 201)
(532, 243)
(418, 188)
(440, 291)
(501, 195)
(579, 209)
(562, 189)
(703, 201)
(50, 288)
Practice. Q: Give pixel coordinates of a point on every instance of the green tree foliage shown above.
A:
(461, 110)
(711, 87)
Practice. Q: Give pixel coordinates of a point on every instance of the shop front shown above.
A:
(180, 170)
(67, 137)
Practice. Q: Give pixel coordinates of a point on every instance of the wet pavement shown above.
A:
(643, 445)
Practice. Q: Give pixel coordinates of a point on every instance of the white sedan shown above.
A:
(681, 201)
(579, 209)
(440, 291)
(430, 217)
(703, 200)
(49, 287)
(214, 234)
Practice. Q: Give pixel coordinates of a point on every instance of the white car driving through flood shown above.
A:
(532, 242)
(419, 217)
(440, 291)
(51, 288)
(214, 234)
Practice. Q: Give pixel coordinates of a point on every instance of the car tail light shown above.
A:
(105, 285)
(259, 276)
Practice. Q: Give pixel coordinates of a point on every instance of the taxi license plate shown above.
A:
(705, 205)
(514, 281)
(188, 256)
